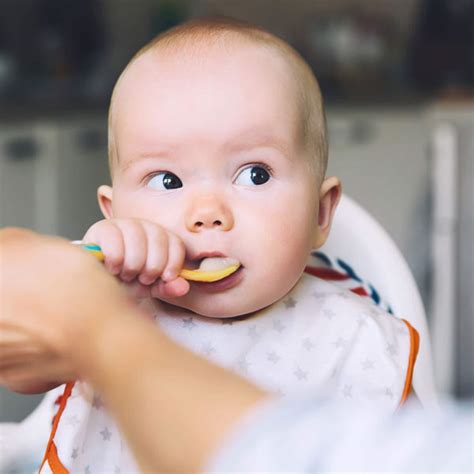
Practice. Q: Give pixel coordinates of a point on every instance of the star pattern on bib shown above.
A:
(73, 420)
(252, 332)
(273, 357)
(301, 374)
(289, 303)
(329, 313)
(319, 295)
(243, 365)
(368, 364)
(347, 391)
(391, 350)
(278, 326)
(307, 343)
(340, 343)
(106, 434)
(189, 323)
(208, 349)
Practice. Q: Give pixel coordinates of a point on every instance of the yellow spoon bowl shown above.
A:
(208, 276)
(191, 275)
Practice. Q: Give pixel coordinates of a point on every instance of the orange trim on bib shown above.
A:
(51, 455)
(54, 462)
(414, 347)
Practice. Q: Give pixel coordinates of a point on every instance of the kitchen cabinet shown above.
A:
(49, 173)
(81, 169)
(27, 167)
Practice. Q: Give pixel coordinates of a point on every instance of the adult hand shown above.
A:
(55, 299)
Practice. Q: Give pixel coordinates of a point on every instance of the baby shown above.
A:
(217, 149)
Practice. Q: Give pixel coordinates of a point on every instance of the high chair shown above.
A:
(359, 244)
(360, 248)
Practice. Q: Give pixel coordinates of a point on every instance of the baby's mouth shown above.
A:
(209, 269)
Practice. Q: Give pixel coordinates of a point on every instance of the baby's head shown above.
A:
(217, 133)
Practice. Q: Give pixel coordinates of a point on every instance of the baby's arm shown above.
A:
(144, 255)
(23, 444)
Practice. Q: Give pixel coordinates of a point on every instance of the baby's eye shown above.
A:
(253, 175)
(165, 180)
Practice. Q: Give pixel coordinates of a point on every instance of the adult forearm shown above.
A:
(173, 406)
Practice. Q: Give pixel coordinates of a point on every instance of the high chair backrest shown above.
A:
(358, 239)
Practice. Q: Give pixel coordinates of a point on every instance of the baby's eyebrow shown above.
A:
(241, 142)
(145, 156)
(251, 140)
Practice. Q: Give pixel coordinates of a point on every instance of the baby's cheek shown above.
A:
(287, 247)
(277, 277)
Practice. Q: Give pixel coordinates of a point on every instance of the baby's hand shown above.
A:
(142, 254)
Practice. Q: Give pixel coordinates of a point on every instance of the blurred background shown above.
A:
(397, 77)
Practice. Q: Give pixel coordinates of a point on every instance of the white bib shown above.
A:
(320, 337)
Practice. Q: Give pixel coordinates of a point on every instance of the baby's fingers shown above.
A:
(109, 237)
(172, 289)
(176, 255)
(135, 248)
(157, 253)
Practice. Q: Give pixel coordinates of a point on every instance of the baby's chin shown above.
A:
(220, 310)
(237, 302)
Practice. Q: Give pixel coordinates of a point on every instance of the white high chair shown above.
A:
(358, 239)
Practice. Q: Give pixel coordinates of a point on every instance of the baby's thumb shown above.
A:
(171, 289)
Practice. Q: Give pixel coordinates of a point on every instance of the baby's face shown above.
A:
(209, 148)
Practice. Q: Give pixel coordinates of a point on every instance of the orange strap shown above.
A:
(51, 454)
(55, 464)
(414, 347)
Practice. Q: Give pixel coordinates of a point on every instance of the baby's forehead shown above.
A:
(251, 82)
(181, 62)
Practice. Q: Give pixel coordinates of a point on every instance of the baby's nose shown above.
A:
(209, 212)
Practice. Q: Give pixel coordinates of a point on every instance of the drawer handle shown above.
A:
(24, 148)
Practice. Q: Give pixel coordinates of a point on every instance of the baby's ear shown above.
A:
(104, 196)
(329, 196)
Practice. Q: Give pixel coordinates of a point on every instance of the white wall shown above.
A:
(381, 156)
